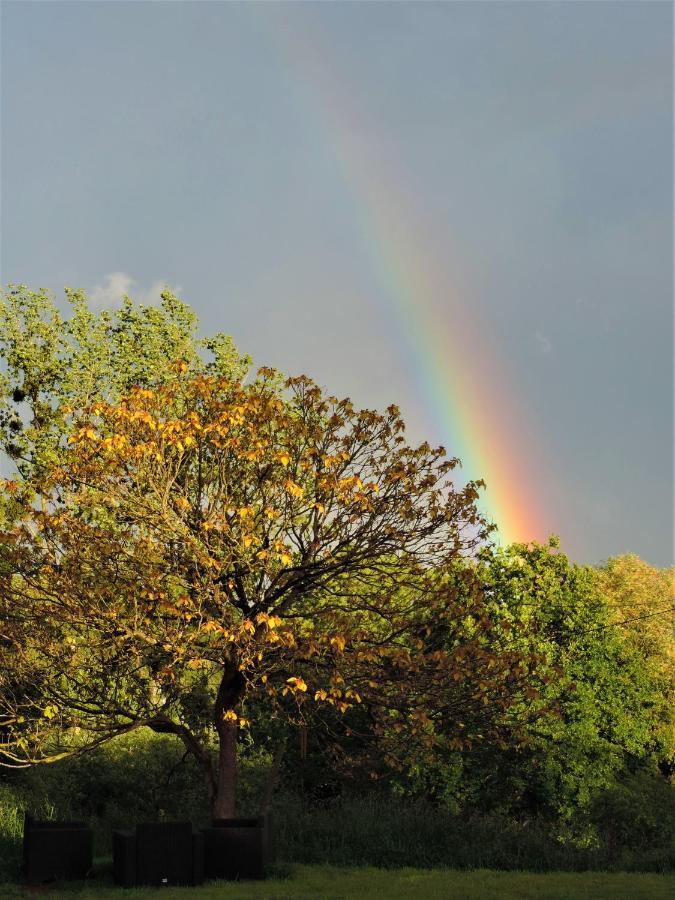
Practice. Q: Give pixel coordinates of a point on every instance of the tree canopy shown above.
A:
(50, 359)
(202, 540)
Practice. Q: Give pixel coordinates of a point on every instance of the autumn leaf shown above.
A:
(292, 488)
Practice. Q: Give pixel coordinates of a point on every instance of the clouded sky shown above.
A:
(384, 196)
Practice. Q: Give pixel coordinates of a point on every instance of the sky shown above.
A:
(465, 209)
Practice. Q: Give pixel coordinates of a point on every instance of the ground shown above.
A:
(333, 883)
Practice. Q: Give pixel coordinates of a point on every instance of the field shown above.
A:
(334, 883)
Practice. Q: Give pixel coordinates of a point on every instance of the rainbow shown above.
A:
(456, 369)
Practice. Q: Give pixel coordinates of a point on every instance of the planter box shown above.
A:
(54, 851)
(162, 853)
(238, 848)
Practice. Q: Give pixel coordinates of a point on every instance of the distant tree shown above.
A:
(200, 543)
(48, 360)
(641, 598)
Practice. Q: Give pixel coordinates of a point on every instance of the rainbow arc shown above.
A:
(458, 372)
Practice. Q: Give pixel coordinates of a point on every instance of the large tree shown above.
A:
(200, 542)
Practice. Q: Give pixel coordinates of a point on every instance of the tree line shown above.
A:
(221, 554)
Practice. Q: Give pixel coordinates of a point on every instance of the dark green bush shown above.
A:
(145, 777)
(636, 818)
(388, 832)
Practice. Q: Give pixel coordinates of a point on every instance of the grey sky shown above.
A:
(182, 143)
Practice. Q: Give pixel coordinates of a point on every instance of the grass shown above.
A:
(334, 883)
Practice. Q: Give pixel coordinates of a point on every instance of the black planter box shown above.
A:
(161, 853)
(238, 848)
(54, 851)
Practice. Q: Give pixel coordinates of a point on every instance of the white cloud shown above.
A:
(115, 285)
(109, 294)
(543, 343)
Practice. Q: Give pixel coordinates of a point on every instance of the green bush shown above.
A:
(388, 832)
(636, 818)
(145, 777)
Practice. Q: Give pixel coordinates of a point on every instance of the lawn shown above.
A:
(332, 883)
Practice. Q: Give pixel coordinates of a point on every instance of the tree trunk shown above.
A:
(230, 692)
(223, 805)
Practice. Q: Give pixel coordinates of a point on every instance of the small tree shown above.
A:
(201, 542)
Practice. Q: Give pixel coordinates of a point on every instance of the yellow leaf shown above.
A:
(292, 488)
(230, 716)
(297, 684)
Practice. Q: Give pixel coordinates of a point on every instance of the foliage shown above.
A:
(605, 705)
(642, 603)
(204, 542)
(389, 832)
(49, 360)
(637, 812)
(242, 566)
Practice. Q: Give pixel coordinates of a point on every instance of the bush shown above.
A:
(387, 832)
(143, 777)
(635, 819)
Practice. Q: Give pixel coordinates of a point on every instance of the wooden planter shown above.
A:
(161, 853)
(238, 848)
(54, 851)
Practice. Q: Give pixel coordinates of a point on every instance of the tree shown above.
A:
(201, 542)
(48, 360)
(605, 703)
(641, 599)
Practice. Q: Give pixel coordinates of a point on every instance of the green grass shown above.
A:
(333, 883)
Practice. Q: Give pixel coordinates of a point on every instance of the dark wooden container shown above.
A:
(54, 851)
(161, 853)
(238, 848)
